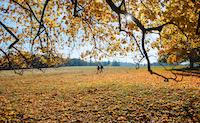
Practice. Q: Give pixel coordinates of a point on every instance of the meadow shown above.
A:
(78, 94)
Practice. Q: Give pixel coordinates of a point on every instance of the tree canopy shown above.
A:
(108, 26)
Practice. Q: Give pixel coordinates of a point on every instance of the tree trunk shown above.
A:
(191, 63)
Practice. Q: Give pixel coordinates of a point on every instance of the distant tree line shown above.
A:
(79, 62)
(42, 61)
(13, 61)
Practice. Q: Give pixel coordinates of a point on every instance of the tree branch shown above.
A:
(20, 5)
(119, 11)
(145, 52)
(7, 57)
(198, 26)
(11, 33)
(42, 16)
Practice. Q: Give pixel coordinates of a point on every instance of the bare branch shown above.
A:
(32, 12)
(20, 5)
(11, 33)
(42, 16)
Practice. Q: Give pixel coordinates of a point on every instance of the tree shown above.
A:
(175, 56)
(15, 62)
(183, 43)
(104, 24)
(115, 63)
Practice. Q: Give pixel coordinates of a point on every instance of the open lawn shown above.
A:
(78, 94)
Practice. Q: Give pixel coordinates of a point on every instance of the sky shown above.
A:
(75, 52)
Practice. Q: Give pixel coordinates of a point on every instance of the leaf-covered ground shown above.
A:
(80, 95)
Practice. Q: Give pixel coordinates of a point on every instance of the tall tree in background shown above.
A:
(181, 45)
(109, 26)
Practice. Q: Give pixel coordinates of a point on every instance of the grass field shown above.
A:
(78, 94)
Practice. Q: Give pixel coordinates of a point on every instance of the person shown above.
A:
(98, 69)
(101, 68)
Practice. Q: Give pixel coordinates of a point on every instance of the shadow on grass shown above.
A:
(188, 71)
